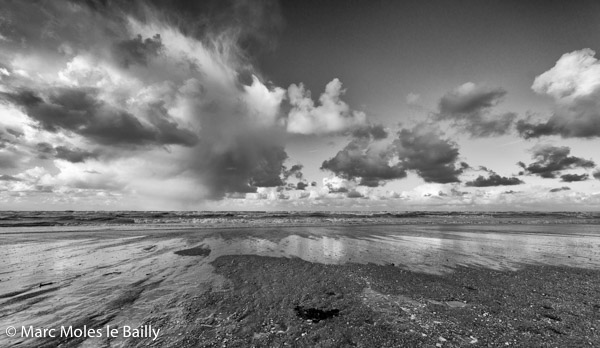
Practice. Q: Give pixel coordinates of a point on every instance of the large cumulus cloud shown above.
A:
(330, 116)
(574, 84)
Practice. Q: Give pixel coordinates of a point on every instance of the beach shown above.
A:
(300, 280)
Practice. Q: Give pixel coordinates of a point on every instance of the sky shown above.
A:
(299, 105)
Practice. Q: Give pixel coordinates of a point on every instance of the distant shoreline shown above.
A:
(202, 220)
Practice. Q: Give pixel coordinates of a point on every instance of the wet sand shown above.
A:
(419, 285)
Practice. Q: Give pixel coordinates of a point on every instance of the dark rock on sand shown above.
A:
(315, 314)
(196, 251)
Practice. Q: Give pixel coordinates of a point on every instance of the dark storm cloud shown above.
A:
(79, 111)
(549, 160)
(137, 50)
(167, 131)
(423, 150)
(596, 174)
(268, 171)
(242, 168)
(249, 28)
(105, 83)
(465, 165)
(301, 185)
(14, 132)
(5, 177)
(74, 155)
(253, 26)
(530, 130)
(469, 107)
(46, 28)
(420, 149)
(9, 138)
(233, 155)
(494, 180)
(574, 177)
(373, 131)
(564, 188)
(44, 150)
(294, 171)
(358, 161)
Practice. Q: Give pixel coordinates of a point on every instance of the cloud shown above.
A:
(74, 155)
(354, 194)
(574, 84)
(420, 149)
(248, 27)
(44, 150)
(469, 107)
(373, 131)
(494, 180)
(295, 171)
(423, 150)
(166, 88)
(574, 177)
(137, 50)
(331, 116)
(358, 161)
(301, 186)
(5, 177)
(596, 174)
(550, 160)
(337, 185)
(366, 159)
(469, 98)
(564, 188)
(80, 111)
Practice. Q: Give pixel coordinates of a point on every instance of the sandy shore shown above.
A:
(359, 286)
(384, 306)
